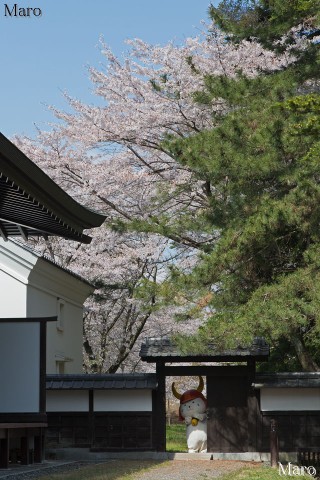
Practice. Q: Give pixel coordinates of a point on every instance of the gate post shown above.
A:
(274, 443)
(160, 410)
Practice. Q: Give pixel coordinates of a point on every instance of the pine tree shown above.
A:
(261, 165)
(266, 20)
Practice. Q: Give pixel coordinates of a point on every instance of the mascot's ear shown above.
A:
(175, 393)
(201, 384)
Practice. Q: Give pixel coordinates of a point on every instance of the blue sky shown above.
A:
(43, 56)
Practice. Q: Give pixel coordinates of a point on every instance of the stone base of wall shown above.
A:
(85, 454)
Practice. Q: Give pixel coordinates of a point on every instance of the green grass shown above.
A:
(260, 473)
(176, 438)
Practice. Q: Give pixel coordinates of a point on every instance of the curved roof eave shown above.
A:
(34, 183)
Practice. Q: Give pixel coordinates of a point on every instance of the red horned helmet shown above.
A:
(189, 395)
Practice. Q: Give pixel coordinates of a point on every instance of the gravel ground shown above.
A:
(22, 473)
(193, 469)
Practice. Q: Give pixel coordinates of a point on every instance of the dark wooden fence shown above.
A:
(296, 430)
(100, 431)
(309, 456)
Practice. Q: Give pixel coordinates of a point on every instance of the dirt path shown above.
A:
(193, 470)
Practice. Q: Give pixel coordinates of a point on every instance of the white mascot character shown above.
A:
(193, 406)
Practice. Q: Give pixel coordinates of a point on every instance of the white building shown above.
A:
(31, 205)
(34, 286)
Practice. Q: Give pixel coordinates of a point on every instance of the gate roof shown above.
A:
(163, 349)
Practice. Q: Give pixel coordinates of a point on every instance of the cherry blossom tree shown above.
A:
(118, 263)
(114, 158)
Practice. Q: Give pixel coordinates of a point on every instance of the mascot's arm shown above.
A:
(200, 416)
(188, 420)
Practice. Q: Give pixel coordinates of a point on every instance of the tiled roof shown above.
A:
(116, 381)
(32, 204)
(154, 349)
(288, 380)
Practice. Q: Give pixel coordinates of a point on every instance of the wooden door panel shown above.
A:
(227, 414)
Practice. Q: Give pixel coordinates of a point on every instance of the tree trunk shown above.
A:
(305, 359)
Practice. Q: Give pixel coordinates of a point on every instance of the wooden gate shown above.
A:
(231, 407)
(232, 400)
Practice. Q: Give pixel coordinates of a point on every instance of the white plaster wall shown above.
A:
(67, 401)
(285, 399)
(40, 303)
(65, 343)
(19, 367)
(122, 401)
(13, 296)
(30, 286)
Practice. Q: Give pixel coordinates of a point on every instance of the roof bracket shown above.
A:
(23, 233)
(3, 233)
